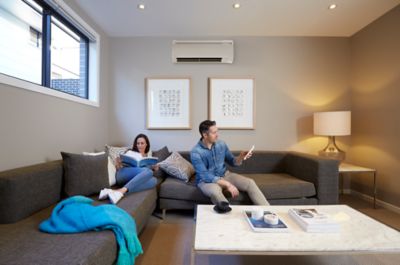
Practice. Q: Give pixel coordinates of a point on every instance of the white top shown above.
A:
(345, 167)
(231, 232)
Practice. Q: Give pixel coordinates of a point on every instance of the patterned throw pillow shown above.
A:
(114, 152)
(178, 167)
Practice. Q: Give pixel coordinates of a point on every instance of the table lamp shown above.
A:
(331, 124)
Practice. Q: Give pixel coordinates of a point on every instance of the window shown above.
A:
(36, 37)
(40, 46)
(68, 60)
(18, 57)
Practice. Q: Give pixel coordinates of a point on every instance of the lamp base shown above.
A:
(332, 151)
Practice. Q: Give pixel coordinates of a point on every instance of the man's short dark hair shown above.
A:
(205, 126)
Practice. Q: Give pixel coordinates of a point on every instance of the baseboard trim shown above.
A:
(346, 191)
(370, 199)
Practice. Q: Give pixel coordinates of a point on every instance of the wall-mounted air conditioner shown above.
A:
(205, 51)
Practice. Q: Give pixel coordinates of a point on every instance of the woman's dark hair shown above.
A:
(134, 146)
(205, 126)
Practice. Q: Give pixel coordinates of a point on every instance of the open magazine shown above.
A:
(261, 226)
(135, 159)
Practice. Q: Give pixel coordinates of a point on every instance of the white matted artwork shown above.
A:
(168, 103)
(231, 102)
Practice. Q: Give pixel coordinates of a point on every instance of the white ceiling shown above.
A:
(122, 18)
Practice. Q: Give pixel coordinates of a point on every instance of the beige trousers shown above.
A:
(214, 191)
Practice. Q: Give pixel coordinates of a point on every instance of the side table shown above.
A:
(349, 168)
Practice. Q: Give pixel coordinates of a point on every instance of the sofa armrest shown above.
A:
(323, 172)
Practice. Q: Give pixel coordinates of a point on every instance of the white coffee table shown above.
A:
(230, 234)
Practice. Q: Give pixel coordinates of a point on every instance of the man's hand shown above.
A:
(233, 190)
(243, 156)
(229, 187)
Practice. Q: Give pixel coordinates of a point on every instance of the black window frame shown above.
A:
(47, 12)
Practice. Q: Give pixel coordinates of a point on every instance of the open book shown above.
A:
(135, 159)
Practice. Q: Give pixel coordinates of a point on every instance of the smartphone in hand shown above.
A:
(249, 152)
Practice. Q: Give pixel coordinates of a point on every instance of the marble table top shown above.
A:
(230, 232)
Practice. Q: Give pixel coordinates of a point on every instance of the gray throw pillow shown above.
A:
(162, 154)
(83, 174)
(178, 167)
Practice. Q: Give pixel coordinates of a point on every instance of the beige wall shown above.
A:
(36, 127)
(375, 88)
(294, 77)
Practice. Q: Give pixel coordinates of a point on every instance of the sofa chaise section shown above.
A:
(28, 196)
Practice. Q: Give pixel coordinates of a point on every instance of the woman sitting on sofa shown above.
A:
(133, 179)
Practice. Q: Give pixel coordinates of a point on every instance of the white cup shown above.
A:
(271, 219)
(257, 214)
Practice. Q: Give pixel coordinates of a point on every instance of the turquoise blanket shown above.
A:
(76, 214)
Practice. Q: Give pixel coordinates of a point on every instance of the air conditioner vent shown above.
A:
(212, 51)
(194, 59)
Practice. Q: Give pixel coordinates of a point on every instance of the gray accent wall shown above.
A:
(375, 100)
(34, 127)
(294, 77)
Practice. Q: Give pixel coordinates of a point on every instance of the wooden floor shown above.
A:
(169, 242)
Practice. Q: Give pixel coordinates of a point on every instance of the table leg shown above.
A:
(341, 178)
(374, 189)
(192, 257)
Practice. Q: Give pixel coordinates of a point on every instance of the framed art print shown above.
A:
(168, 103)
(231, 102)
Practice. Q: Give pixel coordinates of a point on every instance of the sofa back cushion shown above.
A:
(186, 155)
(260, 162)
(24, 191)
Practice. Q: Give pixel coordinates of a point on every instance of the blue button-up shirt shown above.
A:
(210, 163)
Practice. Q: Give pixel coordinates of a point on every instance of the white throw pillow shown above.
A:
(177, 166)
(110, 166)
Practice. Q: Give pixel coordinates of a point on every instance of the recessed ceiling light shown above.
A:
(141, 6)
(236, 5)
(332, 6)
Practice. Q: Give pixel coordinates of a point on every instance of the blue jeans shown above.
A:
(136, 178)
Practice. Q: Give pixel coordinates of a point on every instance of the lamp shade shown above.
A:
(332, 123)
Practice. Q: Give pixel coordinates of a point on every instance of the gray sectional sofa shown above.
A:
(27, 197)
(283, 177)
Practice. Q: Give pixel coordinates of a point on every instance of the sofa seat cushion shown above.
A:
(282, 186)
(140, 205)
(179, 190)
(22, 243)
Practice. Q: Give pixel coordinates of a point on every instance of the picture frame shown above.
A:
(168, 103)
(231, 102)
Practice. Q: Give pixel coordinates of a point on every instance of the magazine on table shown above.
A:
(311, 220)
(262, 226)
(135, 159)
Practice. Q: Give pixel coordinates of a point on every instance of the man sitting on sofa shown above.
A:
(208, 158)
